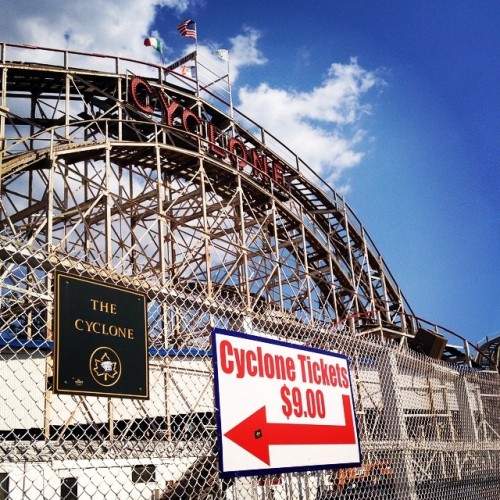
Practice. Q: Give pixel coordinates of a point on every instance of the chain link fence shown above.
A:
(96, 189)
(427, 429)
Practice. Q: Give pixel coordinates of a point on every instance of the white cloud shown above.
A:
(115, 27)
(242, 52)
(323, 125)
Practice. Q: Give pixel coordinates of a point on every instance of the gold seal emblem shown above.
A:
(105, 366)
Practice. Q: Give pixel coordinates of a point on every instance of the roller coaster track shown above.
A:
(489, 354)
(323, 234)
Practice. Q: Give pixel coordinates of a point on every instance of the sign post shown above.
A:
(281, 407)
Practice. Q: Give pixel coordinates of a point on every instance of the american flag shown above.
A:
(187, 28)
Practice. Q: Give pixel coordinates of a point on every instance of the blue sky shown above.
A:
(404, 92)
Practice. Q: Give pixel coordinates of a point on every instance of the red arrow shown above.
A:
(255, 434)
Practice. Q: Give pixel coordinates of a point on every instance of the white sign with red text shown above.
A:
(281, 407)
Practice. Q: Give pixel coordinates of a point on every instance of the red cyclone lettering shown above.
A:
(279, 174)
(260, 363)
(269, 368)
(263, 168)
(260, 168)
(213, 147)
(162, 98)
(135, 86)
(239, 358)
(189, 116)
(170, 110)
(226, 349)
(234, 145)
(254, 363)
(251, 368)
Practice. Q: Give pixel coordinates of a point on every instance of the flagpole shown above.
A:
(196, 70)
(224, 55)
(231, 113)
(196, 60)
(189, 29)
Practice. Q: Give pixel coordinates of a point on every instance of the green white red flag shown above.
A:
(153, 42)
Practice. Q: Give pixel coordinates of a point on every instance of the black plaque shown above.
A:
(101, 343)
